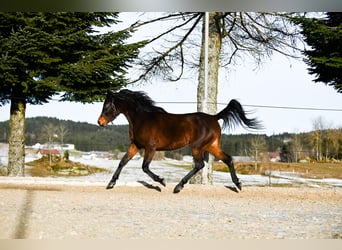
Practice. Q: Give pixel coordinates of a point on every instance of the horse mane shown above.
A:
(141, 101)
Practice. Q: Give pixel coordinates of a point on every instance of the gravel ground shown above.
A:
(145, 211)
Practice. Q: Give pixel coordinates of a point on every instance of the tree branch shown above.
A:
(156, 62)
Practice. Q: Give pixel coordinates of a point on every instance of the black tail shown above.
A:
(234, 115)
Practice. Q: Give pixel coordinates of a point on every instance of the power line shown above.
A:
(267, 106)
(296, 108)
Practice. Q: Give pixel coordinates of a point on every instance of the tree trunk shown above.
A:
(205, 176)
(16, 151)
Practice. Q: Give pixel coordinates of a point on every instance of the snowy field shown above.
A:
(166, 168)
(132, 174)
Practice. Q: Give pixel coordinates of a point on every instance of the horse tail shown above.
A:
(234, 114)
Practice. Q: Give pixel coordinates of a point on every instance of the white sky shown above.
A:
(279, 82)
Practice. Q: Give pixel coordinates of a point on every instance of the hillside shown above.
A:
(85, 136)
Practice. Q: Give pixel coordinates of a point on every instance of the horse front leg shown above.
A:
(132, 150)
(146, 163)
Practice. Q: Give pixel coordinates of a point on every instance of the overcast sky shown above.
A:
(280, 82)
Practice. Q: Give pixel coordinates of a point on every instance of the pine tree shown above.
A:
(42, 54)
(324, 58)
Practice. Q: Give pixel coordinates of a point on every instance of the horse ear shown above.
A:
(115, 95)
(111, 93)
(125, 91)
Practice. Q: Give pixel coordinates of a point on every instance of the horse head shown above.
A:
(109, 111)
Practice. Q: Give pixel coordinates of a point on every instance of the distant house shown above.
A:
(89, 156)
(37, 146)
(243, 159)
(273, 156)
(66, 146)
(54, 146)
(59, 146)
(45, 152)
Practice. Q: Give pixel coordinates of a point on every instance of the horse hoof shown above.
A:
(162, 181)
(177, 189)
(239, 186)
(110, 185)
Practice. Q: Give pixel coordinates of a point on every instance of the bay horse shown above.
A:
(153, 129)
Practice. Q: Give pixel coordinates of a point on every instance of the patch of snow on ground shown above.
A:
(132, 174)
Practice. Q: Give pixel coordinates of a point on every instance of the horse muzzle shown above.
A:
(102, 121)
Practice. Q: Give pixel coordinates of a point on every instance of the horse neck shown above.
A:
(130, 116)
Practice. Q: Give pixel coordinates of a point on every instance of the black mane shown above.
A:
(141, 101)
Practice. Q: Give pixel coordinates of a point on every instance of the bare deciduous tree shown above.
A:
(258, 148)
(62, 131)
(317, 136)
(49, 133)
(178, 49)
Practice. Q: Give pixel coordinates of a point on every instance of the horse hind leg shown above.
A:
(145, 166)
(228, 160)
(199, 164)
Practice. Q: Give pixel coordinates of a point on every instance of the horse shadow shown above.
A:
(157, 188)
(234, 189)
(150, 186)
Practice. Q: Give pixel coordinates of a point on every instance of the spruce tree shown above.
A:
(324, 56)
(42, 54)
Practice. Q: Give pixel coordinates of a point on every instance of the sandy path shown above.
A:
(139, 212)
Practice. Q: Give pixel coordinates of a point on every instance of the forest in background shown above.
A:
(320, 144)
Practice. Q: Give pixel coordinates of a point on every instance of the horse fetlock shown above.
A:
(239, 185)
(162, 181)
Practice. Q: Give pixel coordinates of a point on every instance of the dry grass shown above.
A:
(60, 167)
(317, 170)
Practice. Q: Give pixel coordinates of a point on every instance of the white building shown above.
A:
(63, 147)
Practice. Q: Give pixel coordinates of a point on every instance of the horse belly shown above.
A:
(172, 138)
(185, 130)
